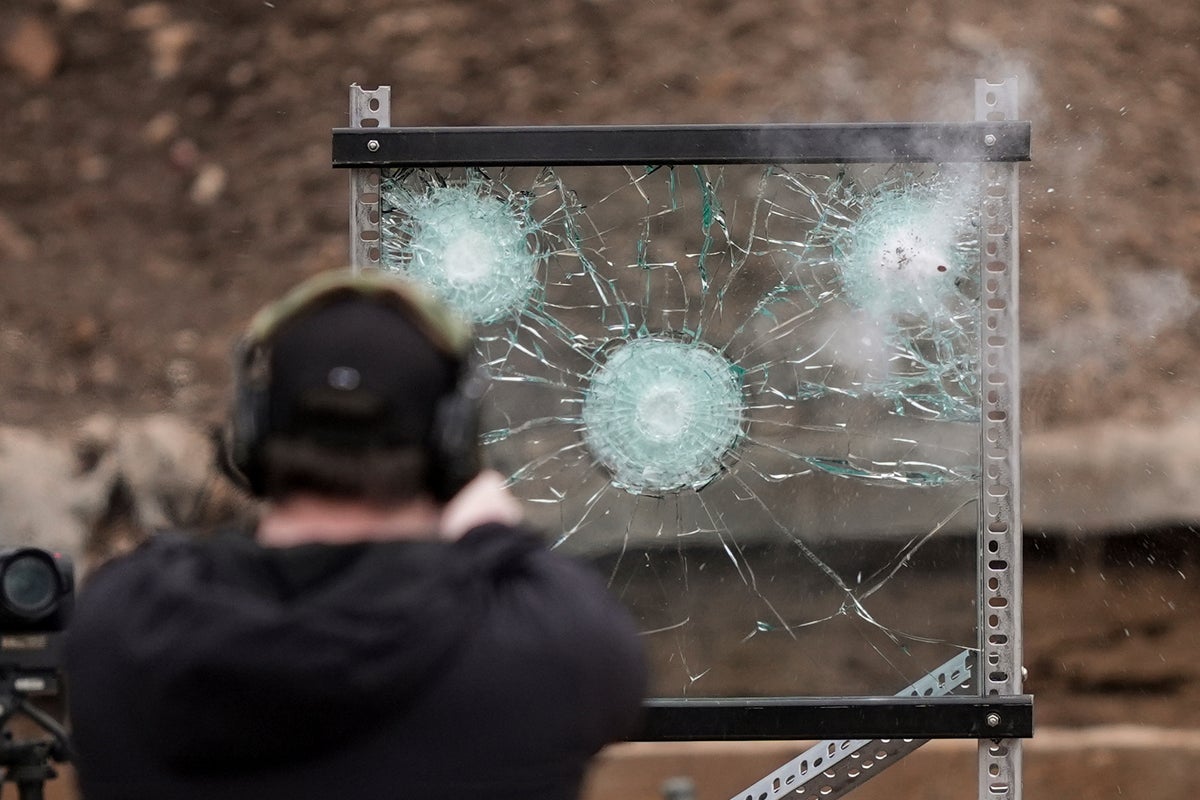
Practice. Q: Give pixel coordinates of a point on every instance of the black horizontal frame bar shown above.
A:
(746, 719)
(580, 145)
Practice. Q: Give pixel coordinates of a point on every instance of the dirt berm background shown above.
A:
(164, 170)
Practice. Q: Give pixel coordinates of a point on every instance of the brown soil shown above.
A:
(165, 170)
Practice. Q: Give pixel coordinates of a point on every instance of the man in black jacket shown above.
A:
(388, 631)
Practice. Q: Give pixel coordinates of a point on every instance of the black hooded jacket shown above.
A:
(217, 668)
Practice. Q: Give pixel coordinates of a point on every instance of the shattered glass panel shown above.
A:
(749, 393)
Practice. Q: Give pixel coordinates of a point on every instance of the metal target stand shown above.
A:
(863, 735)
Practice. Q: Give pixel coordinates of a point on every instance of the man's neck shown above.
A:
(311, 519)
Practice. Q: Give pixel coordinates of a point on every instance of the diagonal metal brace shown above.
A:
(833, 767)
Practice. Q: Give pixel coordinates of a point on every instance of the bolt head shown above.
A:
(373, 145)
(993, 720)
(989, 139)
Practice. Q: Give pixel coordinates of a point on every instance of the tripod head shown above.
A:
(27, 763)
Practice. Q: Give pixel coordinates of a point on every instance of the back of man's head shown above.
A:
(355, 386)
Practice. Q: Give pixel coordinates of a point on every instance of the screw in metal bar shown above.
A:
(989, 139)
(373, 145)
(993, 720)
(368, 108)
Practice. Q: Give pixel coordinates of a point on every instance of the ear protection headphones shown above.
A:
(452, 443)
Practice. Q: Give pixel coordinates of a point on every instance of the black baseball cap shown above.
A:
(358, 360)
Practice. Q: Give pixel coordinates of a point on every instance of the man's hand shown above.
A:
(485, 499)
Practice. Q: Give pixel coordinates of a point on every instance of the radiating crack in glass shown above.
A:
(742, 376)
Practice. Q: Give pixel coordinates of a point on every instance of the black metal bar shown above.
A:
(579, 145)
(817, 718)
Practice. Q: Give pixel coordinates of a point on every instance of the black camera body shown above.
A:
(37, 598)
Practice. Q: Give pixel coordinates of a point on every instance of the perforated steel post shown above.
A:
(369, 108)
(999, 667)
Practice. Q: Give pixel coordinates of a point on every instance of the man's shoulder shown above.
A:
(561, 584)
(163, 550)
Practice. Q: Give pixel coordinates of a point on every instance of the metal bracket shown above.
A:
(926, 716)
(999, 568)
(833, 767)
(588, 145)
(369, 109)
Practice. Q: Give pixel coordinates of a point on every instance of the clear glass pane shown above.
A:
(749, 393)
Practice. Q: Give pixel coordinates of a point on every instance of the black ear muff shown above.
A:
(453, 443)
(248, 424)
(454, 437)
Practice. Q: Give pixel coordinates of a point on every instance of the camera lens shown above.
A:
(30, 584)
